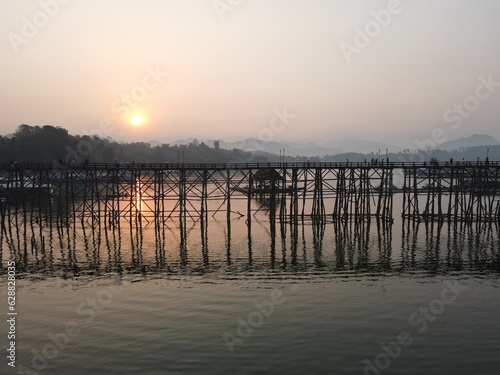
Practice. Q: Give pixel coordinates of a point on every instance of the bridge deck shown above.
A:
(248, 166)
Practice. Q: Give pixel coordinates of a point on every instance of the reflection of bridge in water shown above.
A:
(321, 191)
(317, 218)
(235, 249)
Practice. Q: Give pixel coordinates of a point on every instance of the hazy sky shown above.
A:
(227, 68)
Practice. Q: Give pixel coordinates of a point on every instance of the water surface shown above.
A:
(225, 297)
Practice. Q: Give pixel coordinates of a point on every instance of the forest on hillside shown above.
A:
(49, 143)
(54, 144)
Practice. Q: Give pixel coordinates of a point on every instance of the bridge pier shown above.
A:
(92, 192)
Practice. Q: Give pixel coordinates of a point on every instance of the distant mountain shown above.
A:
(347, 145)
(256, 145)
(343, 146)
(289, 148)
(154, 143)
(471, 141)
(184, 141)
(361, 146)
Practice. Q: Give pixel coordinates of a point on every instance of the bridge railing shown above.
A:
(236, 166)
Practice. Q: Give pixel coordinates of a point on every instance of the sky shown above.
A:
(404, 72)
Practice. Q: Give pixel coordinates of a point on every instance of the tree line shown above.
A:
(49, 143)
(29, 144)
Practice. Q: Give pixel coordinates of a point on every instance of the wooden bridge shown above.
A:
(465, 191)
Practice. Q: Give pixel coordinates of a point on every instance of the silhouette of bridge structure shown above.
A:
(465, 191)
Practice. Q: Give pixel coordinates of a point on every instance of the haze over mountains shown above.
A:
(347, 145)
(471, 141)
(51, 144)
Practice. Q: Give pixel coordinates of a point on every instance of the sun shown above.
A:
(137, 120)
